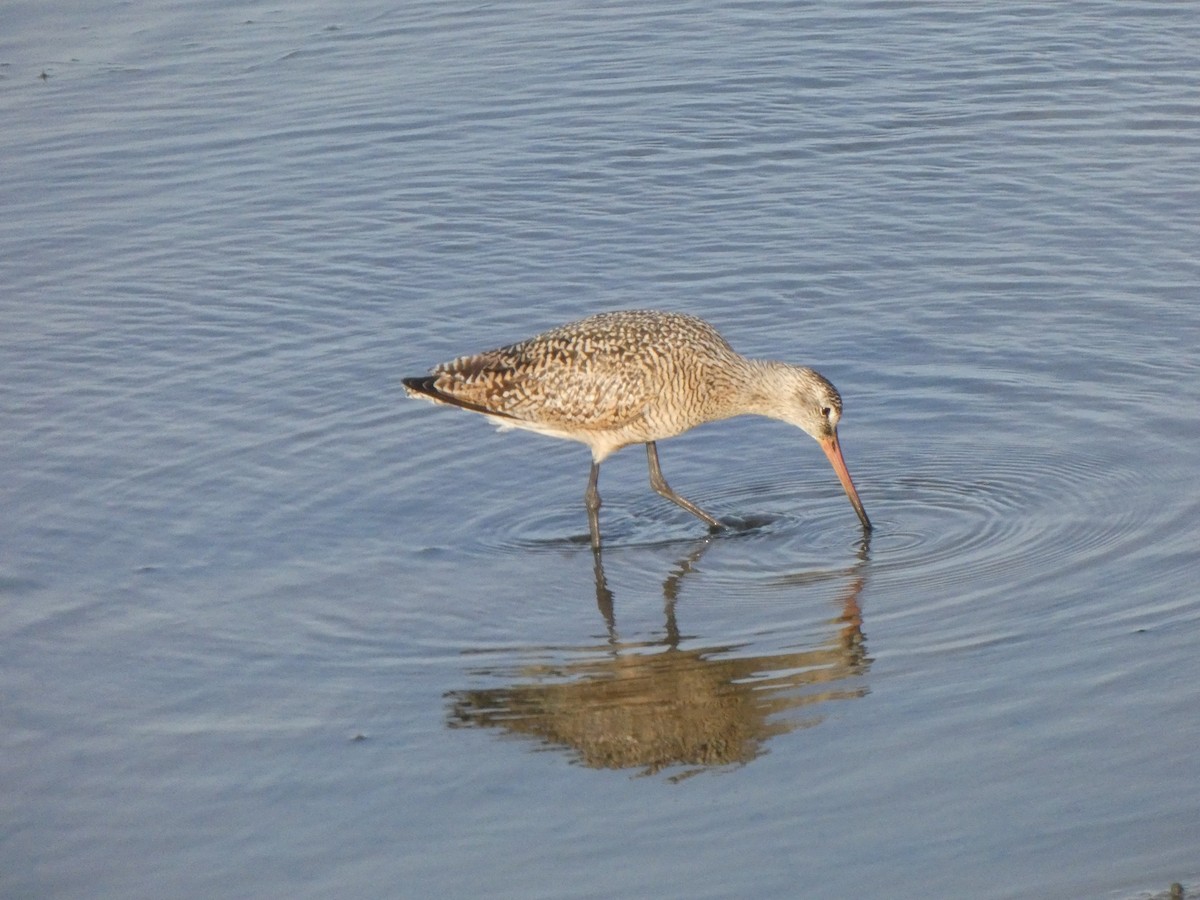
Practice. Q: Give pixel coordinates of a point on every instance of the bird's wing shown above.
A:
(556, 381)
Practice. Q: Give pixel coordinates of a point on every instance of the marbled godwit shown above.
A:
(623, 378)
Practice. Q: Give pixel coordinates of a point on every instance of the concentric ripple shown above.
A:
(812, 515)
(957, 518)
(964, 519)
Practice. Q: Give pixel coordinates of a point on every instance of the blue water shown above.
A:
(267, 628)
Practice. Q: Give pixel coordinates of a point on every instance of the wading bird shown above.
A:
(631, 377)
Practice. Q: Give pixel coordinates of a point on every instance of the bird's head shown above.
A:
(806, 399)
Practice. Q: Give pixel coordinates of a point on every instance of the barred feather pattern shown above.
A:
(625, 377)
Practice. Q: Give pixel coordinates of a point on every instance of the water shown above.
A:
(268, 629)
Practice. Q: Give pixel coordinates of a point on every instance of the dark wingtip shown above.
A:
(426, 386)
(421, 385)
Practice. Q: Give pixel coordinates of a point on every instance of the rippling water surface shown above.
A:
(269, 629)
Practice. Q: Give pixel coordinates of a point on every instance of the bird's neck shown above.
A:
(764, 382)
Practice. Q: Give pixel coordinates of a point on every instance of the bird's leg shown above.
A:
(663, 489)
(591, 499)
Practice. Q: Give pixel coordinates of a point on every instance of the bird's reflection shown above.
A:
(657, 704)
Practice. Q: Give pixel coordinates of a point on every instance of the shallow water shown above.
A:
(268, 628)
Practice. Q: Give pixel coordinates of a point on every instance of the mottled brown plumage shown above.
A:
(638, 376)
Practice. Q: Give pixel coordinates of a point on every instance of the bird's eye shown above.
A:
(826, 411)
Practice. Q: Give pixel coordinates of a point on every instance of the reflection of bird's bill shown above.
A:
(834, 451)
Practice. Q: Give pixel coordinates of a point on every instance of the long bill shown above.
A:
(834, 452)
